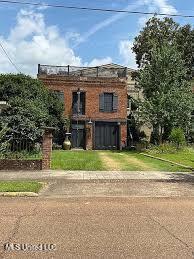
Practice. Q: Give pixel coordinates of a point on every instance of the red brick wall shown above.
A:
(46, 150)
(123, 130)
(93, 87)
(19, 164)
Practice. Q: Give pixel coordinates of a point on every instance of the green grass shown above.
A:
(143, 163)
(123, 161)
(76, 160)
(184, 157)
(20, 186)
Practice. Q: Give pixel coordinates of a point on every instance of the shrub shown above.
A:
(177, 137)
(3, 143)
(21, 155)
(161, 149)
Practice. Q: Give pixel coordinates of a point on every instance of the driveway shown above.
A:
(109, 184)
(99, 227)
(117, 188)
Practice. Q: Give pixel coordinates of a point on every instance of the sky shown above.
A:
(38, 35)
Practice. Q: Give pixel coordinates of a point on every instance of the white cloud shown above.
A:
(161, 6)
(97, 62)
(99, 26)
(164, 6)
(126, 53)
(157, 6)
(31, 42)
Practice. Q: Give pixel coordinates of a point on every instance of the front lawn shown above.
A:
(76, 160)
(108, 161)
(184, 157)
(20, 186)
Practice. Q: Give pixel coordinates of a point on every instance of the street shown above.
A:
(131, 227)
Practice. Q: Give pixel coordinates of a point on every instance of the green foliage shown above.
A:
(3, 143)
(32, 106)
(34, 155)
(164, 148)
(167, 94)
(156, 32)
(177, 137)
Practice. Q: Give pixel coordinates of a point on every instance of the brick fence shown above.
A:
(41, 164)
(47, 149)
(19, 164)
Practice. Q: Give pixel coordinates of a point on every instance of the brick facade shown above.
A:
(92, 87)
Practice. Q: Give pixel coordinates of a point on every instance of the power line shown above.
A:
(96, 9)
(9, 58)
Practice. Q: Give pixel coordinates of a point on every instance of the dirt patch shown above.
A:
(109, 163)
(137, 162)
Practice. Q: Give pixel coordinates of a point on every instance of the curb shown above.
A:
(18, 194)
(168, 161)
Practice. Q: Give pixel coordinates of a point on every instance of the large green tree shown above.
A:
(32, 106)
(167, 93)
(158, 31)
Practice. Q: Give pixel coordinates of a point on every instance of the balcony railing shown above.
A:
(82, 71)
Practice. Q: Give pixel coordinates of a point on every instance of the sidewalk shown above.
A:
(97, 175)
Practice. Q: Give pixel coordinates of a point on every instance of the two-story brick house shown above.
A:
(95, 100)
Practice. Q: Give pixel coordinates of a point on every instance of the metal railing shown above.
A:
(99, 71)
(16, 147)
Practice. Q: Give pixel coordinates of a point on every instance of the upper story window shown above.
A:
(78, 103)
(108, 102)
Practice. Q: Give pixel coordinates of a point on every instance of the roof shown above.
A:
(113, 65)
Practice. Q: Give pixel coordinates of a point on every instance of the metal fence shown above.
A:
(83, 71)
(20, 145)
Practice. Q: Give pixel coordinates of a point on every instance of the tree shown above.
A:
(177, 137)
(167, 93)
(32, 106)
(158, 31)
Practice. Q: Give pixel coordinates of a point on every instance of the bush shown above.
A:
(3, 142)
(177, 137)
(32, 107)
(161, 149)
(24, 155)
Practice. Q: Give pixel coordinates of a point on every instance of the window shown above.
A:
(108, 102)
(78, 104)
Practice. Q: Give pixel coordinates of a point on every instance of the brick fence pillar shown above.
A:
(123, 140)
(89, 137)
(47, 149)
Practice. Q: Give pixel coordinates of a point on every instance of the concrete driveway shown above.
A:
(117, 188)
(108, 184)
(99, 227)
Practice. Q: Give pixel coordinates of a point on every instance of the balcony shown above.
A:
(100, 71)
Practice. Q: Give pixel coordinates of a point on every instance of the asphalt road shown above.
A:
(99, 227)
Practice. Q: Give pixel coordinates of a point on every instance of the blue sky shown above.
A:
(60, 37)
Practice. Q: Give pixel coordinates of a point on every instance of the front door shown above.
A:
(106, 136)
(78, 136)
